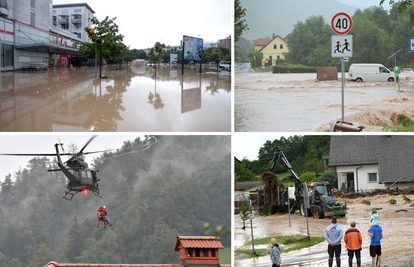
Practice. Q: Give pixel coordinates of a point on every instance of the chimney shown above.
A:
(273, 36)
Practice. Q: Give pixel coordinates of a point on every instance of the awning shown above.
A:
(49, 48)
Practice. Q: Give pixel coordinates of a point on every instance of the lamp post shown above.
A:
(96, 51)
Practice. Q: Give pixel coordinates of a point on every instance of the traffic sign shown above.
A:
(411, 47)
(341, 23)
(341, 45)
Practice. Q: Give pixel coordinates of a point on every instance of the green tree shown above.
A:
(215, 56)
(242, 172)
(105, 37)
(74, 243)
(330, 177)
(42, 256)
(321, 57)
(244, 212)
(255, 58)
(240, 23)
(308, 177)
(156, 53)
(306, 36)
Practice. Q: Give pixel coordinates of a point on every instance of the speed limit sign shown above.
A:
(341, 23)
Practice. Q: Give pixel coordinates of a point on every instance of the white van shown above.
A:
(370, 72)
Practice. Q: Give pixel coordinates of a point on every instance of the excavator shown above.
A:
(276, 197)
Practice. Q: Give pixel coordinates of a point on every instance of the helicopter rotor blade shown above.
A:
(61, 145)
(34, 155)
(87, 143)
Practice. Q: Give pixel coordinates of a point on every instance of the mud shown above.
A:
(299, 102)
(397, 227)
(135, 99)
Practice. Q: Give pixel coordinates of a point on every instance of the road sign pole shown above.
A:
(343, 94)
(251, 225)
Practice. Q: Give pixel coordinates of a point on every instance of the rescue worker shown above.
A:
(333, 234)
(102, 216)
(353, 241)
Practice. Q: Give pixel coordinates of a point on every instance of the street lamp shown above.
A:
(96, 51)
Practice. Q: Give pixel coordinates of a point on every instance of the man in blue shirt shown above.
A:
(334, 234)
(375, 247)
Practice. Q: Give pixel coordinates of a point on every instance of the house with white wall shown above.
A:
(368, 162)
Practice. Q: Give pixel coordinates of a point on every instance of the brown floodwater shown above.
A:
(129, 100)
(397, 231)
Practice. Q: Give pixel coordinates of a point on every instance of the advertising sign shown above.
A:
(173, 58)
(193, 48)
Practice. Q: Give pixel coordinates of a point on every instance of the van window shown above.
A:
(383, 70)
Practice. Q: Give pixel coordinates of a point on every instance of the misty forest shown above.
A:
(176, 187)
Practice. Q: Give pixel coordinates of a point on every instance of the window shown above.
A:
(213, 253)
(78, 10)
(205, 252)
(197, 252)
(275, 46)
(383, 70)
(281, 46)
(65, 11)
(54, 12)
(270, 58)
(278, 57)
(372, 177)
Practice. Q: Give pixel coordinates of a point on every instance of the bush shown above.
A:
(330, 177)
(366, 201)
(294, 69)
(406, 199)
(308, 177)
(392, 201)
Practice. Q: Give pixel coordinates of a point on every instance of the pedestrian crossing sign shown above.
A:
(341, 45)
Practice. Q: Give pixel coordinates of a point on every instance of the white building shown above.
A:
(368, 162)
(73, 18)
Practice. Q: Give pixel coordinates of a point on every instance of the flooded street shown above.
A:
(267, 102)
(127, 100)
(396, 224)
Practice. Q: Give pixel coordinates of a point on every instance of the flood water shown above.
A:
(132, 99)
(396, 240)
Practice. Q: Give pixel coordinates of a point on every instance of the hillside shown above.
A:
(266, 17)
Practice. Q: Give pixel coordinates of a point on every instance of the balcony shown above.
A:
(3, 8)
(63, 21)
(77, 21)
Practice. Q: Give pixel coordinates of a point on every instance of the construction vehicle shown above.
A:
(275, 197)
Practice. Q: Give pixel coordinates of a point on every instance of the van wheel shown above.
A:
(358, 80)
(390, 80)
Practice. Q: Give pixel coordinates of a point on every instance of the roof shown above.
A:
(74, 5)
(246, 185)
(49, 47)
(198, 242)
(261, 42)
(394, 154)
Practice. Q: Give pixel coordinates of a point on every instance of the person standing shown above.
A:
(375, 247)
(353, 242)
(333, 234)
(275, 253)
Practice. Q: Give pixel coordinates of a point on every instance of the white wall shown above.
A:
(362, 183)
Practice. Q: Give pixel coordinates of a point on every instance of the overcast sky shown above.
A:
(34, 143)
(143, 23)
(366, 3)
(247, 145)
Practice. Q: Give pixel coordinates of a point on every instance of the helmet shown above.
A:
(104, 207)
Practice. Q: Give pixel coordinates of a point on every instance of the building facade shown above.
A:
(272, 49)
(225, 43)
(28, 35)
(73, 18)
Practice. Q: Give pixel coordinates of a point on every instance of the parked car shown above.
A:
(34, 66)
(192, 63)
(370, 72)
(407, 70)
(225, 65)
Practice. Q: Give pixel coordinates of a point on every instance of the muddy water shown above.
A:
(397, 229)
(298, 102)
(127, 100)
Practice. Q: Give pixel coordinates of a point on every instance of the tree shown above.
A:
(105, 37)
(215, 56)
(240, 23)
(255, 58)
(156, 53)
(244, 211)
(306, 36)
(330, 177)
(242, 172)
(74, 243)
(401, 7)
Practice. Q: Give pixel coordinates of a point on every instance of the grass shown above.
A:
(225, 255)
(366, 201)
(292, 242)
(406, 199)
(392, 201)
(374, 209)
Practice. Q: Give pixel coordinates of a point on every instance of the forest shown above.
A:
(176, 187)
(303, 152)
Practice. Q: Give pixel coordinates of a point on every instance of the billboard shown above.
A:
(193, 48)
(173, 58)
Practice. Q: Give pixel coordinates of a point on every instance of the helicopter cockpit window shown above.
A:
(86, 174)
(322, 190)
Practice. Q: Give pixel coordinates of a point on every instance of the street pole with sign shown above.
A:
(306, 203)
(342, 46)
(251, 217)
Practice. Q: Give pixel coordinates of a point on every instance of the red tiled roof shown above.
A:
(198, 242)
(55, 264)
(261, 42)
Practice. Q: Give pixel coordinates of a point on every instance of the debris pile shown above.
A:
(392, 191)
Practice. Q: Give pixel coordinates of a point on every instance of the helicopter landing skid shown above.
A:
(71, 194)
(96, 192)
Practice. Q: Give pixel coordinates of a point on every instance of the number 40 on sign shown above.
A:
(341, 23)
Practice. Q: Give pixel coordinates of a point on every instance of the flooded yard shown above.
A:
(266, 102)
(129, 100)
(395, 220)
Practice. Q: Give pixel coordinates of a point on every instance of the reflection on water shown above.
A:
(128, 100)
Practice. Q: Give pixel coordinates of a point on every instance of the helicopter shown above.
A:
(80, 177)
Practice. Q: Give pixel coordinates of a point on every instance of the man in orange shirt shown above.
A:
(353, 241)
